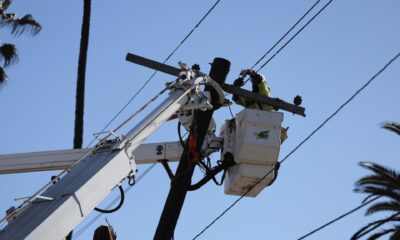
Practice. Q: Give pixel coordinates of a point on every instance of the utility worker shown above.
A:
(259, 85)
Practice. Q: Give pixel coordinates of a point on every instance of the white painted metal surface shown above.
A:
(241, 177)
(258, 136)
(87, 184)
(63, 159)
(148, 125)
(39, 161)
(254, 139)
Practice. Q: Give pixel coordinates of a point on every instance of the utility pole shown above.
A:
(183, 176)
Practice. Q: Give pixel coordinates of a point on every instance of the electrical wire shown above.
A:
(121, 202)
(287, 33)
(126, 190)
(152, 76)
(155, 72)
(338, 218)
(298, 21)
(297, 33)
(142, 87)
(293, 37)
(301, 143)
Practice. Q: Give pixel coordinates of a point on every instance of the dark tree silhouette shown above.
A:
(385, 184)
(18, 26)
(80, 83)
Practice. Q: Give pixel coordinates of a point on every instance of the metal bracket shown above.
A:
(36, 197)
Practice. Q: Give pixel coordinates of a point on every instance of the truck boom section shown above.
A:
(87, 183)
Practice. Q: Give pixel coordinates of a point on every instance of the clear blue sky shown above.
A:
(343, 48)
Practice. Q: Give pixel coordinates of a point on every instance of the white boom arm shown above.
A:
(72, 198)
(64, 159)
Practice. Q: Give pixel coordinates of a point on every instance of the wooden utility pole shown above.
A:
(183, 176)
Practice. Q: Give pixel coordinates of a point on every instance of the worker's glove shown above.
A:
(238, 82)
(251, 72)
(244, 72)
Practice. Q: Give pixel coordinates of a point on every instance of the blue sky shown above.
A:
(333, 57)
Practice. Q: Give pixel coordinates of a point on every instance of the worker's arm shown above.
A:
(237, 99)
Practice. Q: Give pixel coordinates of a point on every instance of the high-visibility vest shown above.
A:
(263, 89)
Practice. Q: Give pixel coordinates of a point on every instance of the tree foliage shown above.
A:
(384, 183)
(17, 26)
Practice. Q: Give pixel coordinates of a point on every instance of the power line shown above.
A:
(155, 72)
(338, 218)
(131, 99)
(302, 142)
(287, 33)
(298, 21)
(297, 33)
(126, 190)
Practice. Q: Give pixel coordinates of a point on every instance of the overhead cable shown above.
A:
(126, 190)
(302, 142)
(287, 33)
(338, 218)
(155, 72)
(297, 33)
(279, 41)
(130, 100)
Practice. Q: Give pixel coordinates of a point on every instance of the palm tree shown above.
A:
(80, 83)
(384, 184)
(18, 26)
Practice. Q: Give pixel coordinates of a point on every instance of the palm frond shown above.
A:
(379, 191)
(21, 25)
(392, 126)
(383, 207)
(381, 233)
(24, 24)
(372, 226)
(3, 76)
(8, 54)
(384, 172)
(367, 229)
(379, 180)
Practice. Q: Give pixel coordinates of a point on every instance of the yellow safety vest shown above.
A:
(263, 89)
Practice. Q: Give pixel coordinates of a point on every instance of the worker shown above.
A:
(259, 85)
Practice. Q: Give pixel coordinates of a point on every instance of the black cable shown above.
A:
(294, 36)
(302, 142)
(84, 228)
(121, 202)
(180, 135)
(230, 110)
(338, 218)
(298, 21)
(190, 33)
(297, 33)
(131, 180)
(155, 72)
